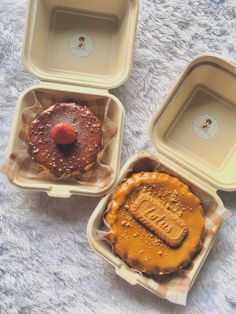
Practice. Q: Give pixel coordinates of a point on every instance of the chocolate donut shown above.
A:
(67, 160)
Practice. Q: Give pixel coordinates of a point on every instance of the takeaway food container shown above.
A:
(54, 30)
(195, 135)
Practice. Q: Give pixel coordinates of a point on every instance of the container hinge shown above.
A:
(188, 174)
(74, 88)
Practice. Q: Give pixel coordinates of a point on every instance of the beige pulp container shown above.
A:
(194, 131)
(79, 50)
(195, 134)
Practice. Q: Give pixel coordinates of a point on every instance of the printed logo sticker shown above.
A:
(81, 45)
(206, 126)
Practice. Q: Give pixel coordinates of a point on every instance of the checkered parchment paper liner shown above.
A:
(20, 163)
(174, 287)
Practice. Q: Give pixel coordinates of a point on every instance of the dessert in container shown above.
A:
(79, 50)
(193, 133)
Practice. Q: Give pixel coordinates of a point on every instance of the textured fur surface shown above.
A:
(46, 264)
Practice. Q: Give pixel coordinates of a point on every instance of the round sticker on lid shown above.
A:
(81, 45)
(206, 126)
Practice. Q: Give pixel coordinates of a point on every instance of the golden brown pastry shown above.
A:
(157, 223)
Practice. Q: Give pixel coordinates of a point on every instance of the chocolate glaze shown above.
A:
(65, 159)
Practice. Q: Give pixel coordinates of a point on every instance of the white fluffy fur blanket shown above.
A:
(46, 264)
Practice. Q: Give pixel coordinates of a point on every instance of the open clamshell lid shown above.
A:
(82, 42)
(196, 126)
